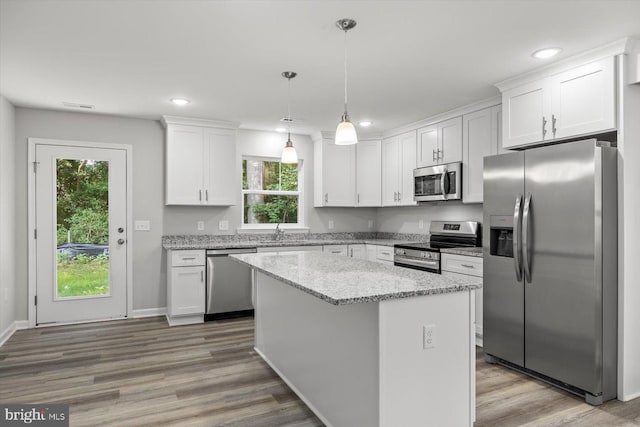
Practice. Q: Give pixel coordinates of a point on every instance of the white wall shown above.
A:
(7, 216)
(147, 139)
(183, 219)
(406, 219)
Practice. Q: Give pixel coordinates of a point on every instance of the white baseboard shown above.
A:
(185, 320)
(629, 397)
(148, 312)
(7, 333)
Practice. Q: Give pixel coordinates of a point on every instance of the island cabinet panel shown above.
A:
(365, 364)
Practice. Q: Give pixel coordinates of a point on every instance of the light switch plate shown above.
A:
(428, 336)
(331, 224)
(200, 225)
(421, 224)
(223, 225)
(143, 225)
(370, 223)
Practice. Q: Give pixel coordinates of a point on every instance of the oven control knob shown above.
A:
(400, 251)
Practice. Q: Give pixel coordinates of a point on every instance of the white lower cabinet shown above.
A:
(342, 250)
(470, 268)
(185, 286)
(357, 251)
(381, 254)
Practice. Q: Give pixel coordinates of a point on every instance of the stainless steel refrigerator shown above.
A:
(550, 265)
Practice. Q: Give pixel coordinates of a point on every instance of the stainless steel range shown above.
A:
(443, 234)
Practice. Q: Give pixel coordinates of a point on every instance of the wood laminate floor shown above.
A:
(141, 372)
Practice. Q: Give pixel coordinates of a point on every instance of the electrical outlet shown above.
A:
(200, 225)
(421, 224)
(428, 336)
(370, 223)
(223, 225)
(142, 225)
(331, 224)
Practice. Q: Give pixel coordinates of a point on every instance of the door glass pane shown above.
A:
(270, 209)
(82, 212)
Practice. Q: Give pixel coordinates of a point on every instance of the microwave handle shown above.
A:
(444, 183)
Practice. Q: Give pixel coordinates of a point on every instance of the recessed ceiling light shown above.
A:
(365, 123)
(546, 53)
(180, 101)
(281, 130)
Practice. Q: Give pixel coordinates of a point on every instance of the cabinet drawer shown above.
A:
(187, 258)
(385, 253)
(335, 249)
(462, 264)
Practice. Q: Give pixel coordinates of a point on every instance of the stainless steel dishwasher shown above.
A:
(228, 285)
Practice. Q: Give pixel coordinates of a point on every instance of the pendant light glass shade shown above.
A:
(289, 155)
(345, 132)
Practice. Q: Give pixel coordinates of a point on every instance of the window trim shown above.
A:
(257, 228)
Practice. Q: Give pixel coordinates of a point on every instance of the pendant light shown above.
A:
(289, 154)
(346, 132)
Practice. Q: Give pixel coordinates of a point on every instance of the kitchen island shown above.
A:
(364, 344)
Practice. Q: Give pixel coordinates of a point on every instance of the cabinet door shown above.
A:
(357, 251)
(478, 139)
(369, 172)
(390, 171)
(187, 291)
(427, 148)
(184, 165)
(478, 302)
(450, 140)
(339, 174)
(372, 252)
(523, 114)
(407, 165)
(220, 187)
(496, 126)
(584, 99)
(341, 250)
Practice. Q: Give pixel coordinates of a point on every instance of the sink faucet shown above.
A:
(277, 234)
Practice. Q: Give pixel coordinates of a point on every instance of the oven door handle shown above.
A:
(433, 264)
(444, 183)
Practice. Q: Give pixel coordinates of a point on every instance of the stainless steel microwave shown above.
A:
(437, 183)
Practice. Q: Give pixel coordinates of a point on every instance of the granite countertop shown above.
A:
(342, 280)
(266, 240)
(474, 252)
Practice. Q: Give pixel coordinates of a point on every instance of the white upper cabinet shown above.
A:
(440, 143)
(334, 174)
(480, 138)
(574, 102)
(200, 160)
(398, 163)
(368, 173)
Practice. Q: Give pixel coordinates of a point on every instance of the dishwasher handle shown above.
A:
(230, 251)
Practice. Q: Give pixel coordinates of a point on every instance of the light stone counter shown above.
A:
(343, 280)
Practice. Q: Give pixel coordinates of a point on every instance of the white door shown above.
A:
(81, 233)
(407, 165)
(478, 141)
(524, 109)
(184, 165)
(428, 146)
(220, 152)
(450, 140)
(390, 173)
(339, 174)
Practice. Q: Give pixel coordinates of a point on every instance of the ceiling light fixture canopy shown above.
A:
(289, 154)
(180, 101)
(546, 53)
(346, 132)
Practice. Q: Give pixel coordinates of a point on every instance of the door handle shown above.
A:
(206, 195)
(517, 262)
(121, 241)
(433, 157)
(544, 126)
(358, 198)
(526, 240)
(440, 157)
(200, 195)
(443, 178)
(553, 124)
(326, 197)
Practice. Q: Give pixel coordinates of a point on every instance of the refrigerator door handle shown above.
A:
(517, 247)
(526, 241)
(444, 185)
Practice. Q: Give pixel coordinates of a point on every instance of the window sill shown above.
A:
(266, 228)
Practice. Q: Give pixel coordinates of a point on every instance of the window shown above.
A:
(270, 192)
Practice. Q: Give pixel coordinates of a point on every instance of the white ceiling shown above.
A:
(407, 59)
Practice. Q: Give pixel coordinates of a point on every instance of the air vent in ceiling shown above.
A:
(290, 120)
(76, 105)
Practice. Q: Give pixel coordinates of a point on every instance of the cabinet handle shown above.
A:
(326, 197)
(395, 196)
(544, 126)
(439, 152)
(335, 252)
(399, 196)
(433, 157)
(201, 276)
(200, 195)
(206, 195)
(188, 258)
(358, 198)
(467, 266)
(553, 124)
(385, 253)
